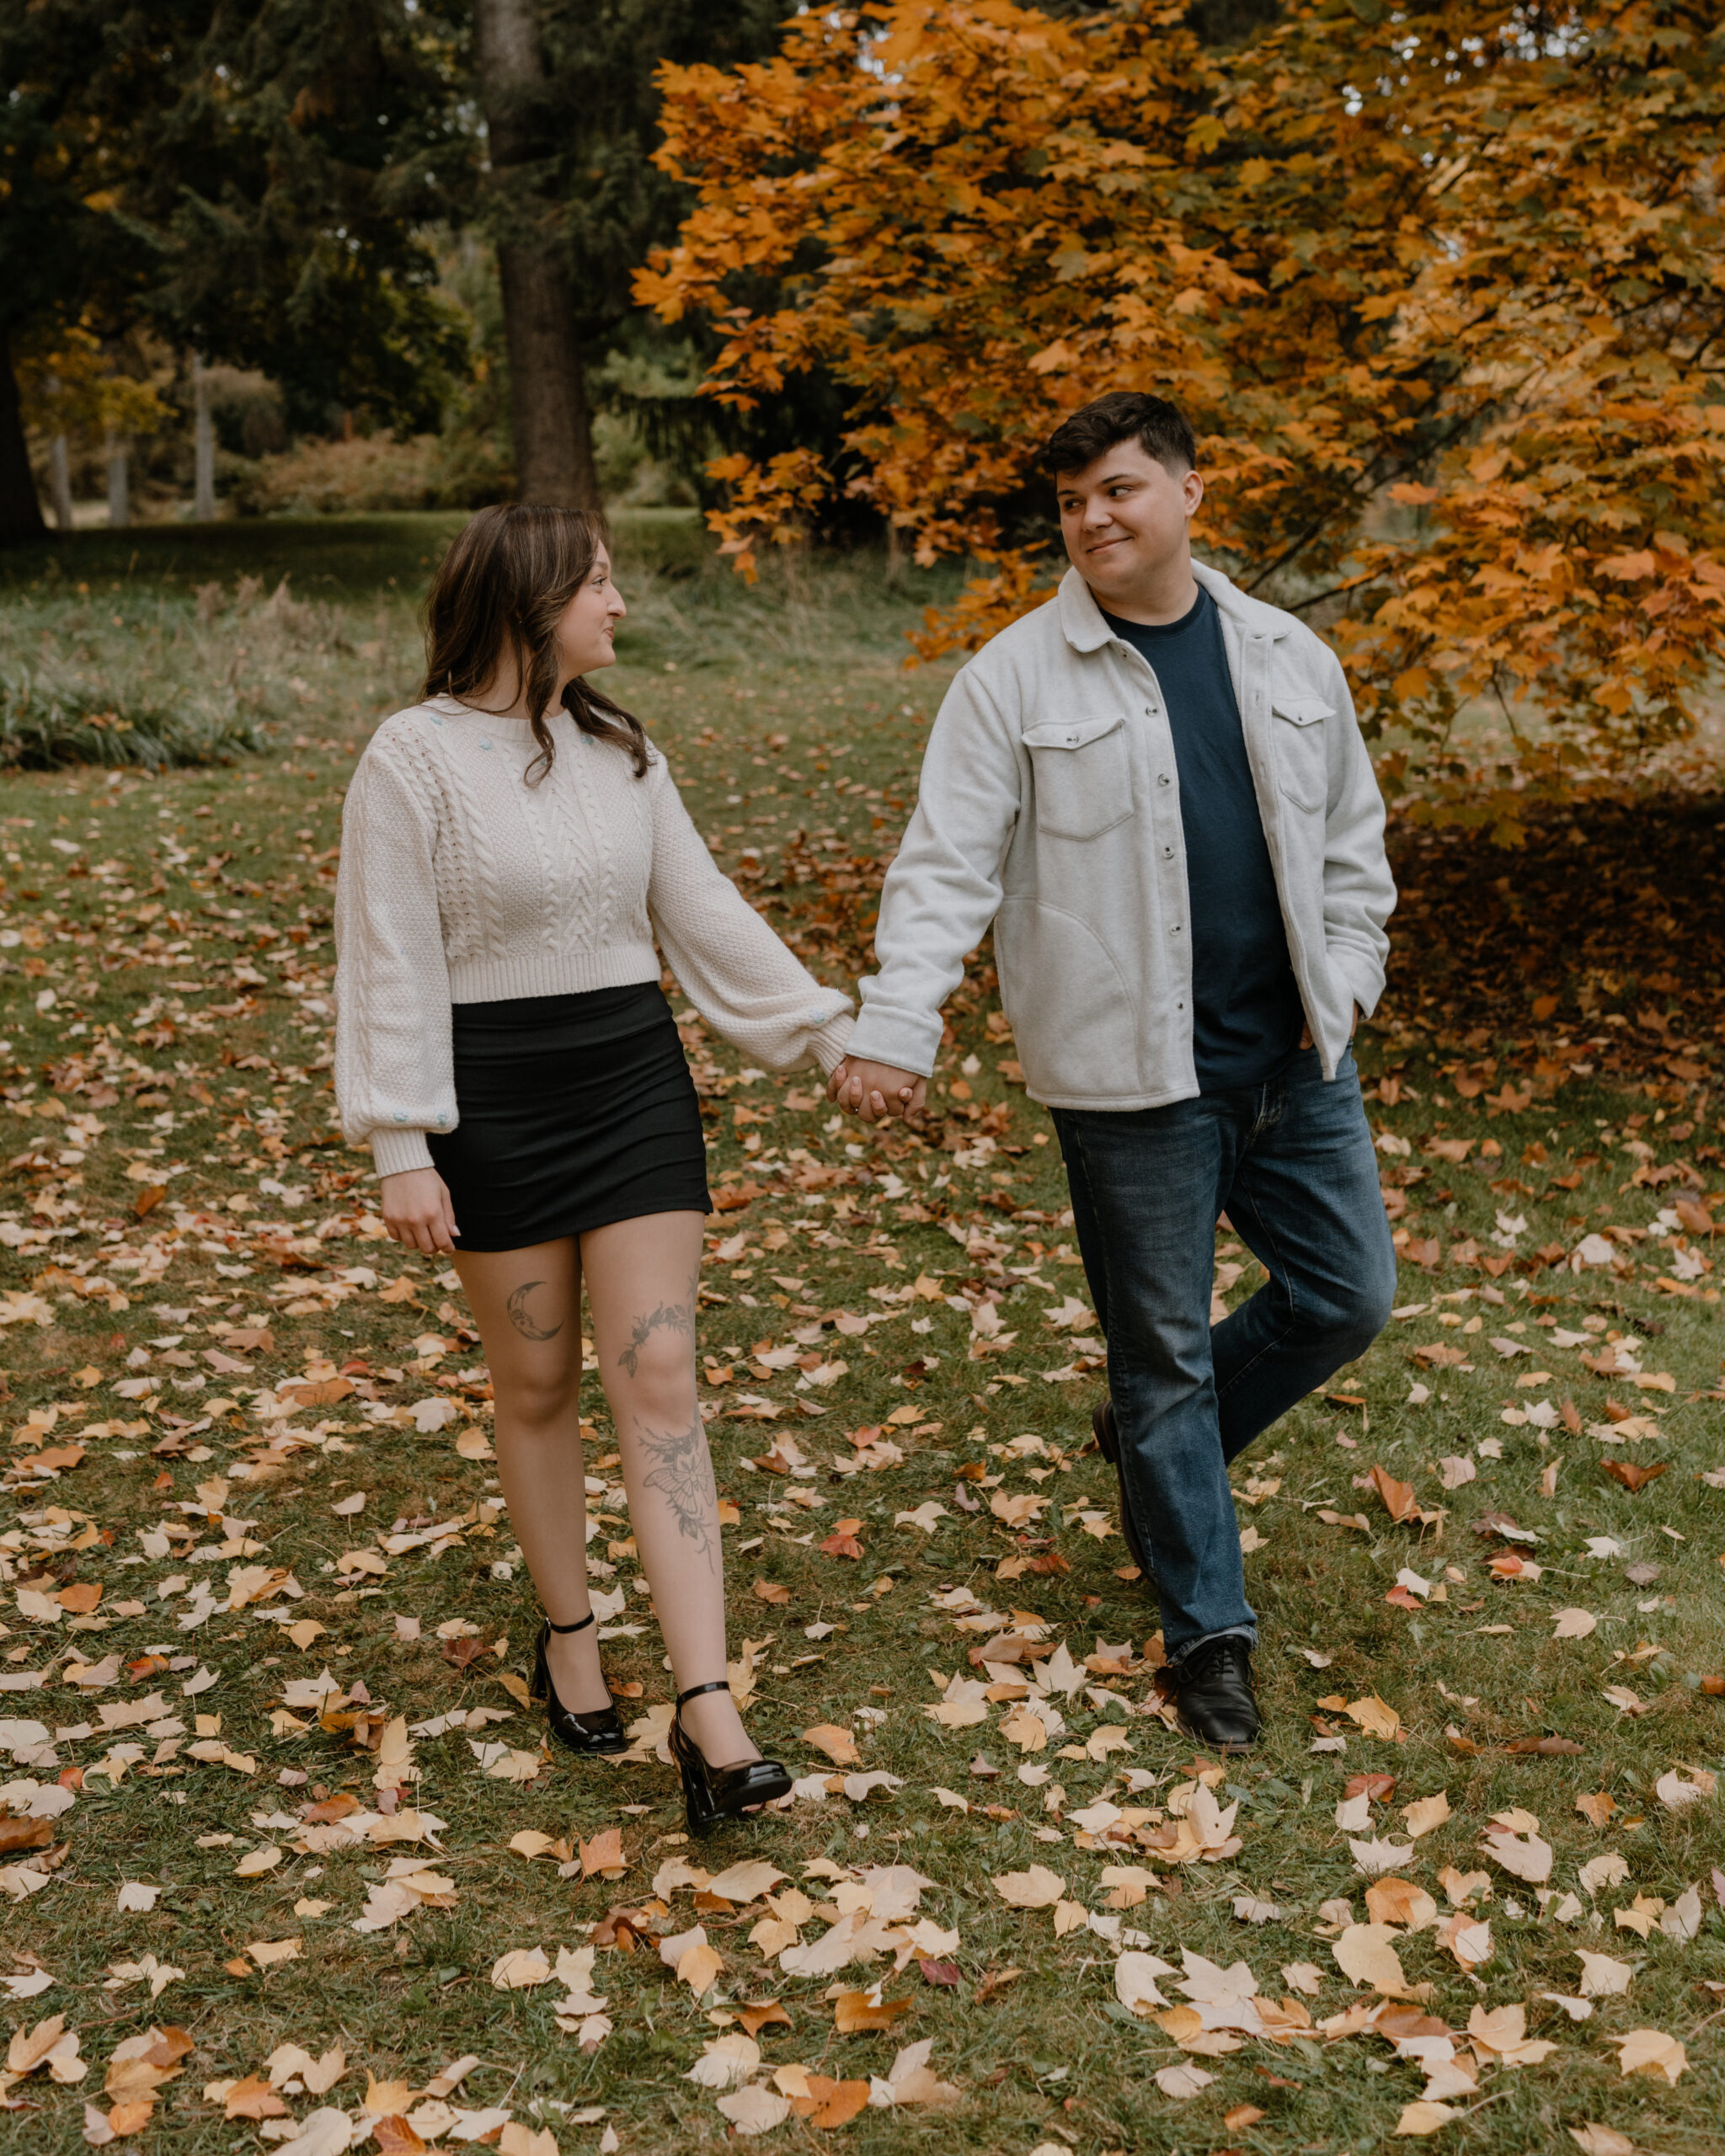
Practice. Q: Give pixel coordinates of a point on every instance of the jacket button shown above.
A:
(1163, 779)
(1175, 930)
(1167, 853)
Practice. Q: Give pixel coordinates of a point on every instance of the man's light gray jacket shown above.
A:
(1049, 806)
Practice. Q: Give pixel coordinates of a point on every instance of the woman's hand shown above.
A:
(876, 1090)
(417, 1210)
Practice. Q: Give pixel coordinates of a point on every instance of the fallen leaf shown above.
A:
(252, 2098)
(1037, 1888)
(1601, 2141)
(1365, 1954)
(856, 2011)
(1421, 2117)
(1633, 1476)
(1425, 1813)
(1182, 2081)
(1650, 2052)
(838, 1744)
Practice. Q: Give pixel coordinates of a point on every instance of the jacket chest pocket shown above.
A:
(1082, 772)
(1302, 753)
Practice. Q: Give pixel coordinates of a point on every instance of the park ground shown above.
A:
(288, 1863)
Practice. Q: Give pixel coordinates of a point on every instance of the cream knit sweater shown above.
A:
(462, 883)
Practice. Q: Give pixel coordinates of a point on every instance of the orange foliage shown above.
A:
(1442, 290)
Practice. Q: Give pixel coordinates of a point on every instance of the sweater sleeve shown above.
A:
(394, 1070)
(735, 970)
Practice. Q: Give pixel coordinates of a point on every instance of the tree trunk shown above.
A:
(203, 445)
(549, 416)
(119, 479)
(20, 512)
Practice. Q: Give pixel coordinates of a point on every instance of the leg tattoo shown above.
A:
(674, 1317)
(683, 1476)
(527, 1326)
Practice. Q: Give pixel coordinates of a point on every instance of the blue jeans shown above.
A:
(1291, 1163)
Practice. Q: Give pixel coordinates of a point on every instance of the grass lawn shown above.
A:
(272, 1783)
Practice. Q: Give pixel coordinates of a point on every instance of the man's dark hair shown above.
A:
(1160, 429)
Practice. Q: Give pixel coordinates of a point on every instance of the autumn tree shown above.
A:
(1442, 288)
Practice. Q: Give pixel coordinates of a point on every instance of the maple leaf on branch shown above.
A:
(1443, 333)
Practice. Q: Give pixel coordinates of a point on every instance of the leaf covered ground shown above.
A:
(287, 1864)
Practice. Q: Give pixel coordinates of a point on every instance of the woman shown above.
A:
(508, 846)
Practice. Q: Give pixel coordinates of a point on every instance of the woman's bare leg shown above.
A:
(528, 1306)
(642, 1278)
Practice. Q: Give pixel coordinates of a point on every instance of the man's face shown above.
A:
(1125, 517)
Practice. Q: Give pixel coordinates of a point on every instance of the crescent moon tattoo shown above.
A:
(529, 1327)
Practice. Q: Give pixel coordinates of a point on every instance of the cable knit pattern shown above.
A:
(462, 883)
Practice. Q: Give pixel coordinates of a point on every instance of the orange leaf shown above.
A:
(395, 2137)
(604, 1853)
(838, 1744)
(858, 2011)
(252, 2098)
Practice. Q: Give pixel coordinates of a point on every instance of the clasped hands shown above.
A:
(876, 1091)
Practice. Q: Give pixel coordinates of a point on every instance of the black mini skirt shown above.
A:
(574, 1111)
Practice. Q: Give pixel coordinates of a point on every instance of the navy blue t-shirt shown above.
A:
(1246, 1009)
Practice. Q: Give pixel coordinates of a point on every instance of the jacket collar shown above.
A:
(1084, 630)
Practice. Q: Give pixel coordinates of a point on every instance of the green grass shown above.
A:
(213, 1089)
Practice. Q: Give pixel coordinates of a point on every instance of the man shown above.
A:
(1155, 789)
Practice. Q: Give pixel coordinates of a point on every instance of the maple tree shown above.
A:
(1440, 287)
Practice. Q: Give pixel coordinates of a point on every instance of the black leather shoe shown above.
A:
(597, 1732)
(1108, 1437)
(1214, 1696)
(714, 1793)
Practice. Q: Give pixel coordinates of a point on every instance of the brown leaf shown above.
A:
(1242, 2117)
(149, 1199)
(855, 2012)
(1633, 1476)
(322, 1394)
(329, 1809)
(1545, 1748)
(770, 1591)
(842, 1541)
(1380, 1788)
(395, 2137)
(945, 1973)
(17, 1834)
(763, 2014)
(994, 1981)
(81, 1598)
(253, 2099)
(132, 2117)
(604, 1853)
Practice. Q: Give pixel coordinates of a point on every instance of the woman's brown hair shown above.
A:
(502, 588)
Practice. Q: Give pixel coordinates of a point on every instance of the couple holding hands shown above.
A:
(1151, 787)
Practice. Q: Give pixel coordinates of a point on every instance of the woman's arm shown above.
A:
(394, 1074)
(735, 970)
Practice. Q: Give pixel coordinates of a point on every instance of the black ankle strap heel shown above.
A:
(694, 1692)
(595, 1732)
(712, 1793)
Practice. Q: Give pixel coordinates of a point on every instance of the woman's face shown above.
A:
(588, 623)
